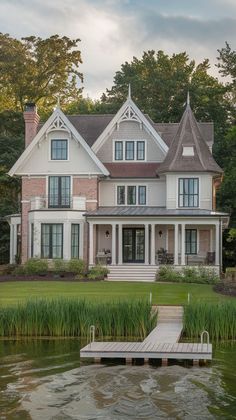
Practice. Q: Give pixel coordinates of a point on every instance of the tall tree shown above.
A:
(11, 146)
(36, 70)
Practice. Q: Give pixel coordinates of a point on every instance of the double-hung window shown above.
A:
(188, 192)
(119, 150)
(75, 240)
(131, 195)
(129, 150)
(59, 191)
(52, 240)
(121, 195)
(140, 150)
(59, 149)
(142, 195)
(191, 241)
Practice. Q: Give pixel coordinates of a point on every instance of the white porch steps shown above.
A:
(132, 272)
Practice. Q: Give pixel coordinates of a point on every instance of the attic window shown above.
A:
(188, 151)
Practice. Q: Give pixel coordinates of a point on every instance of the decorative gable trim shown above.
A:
(58, 124)
(129, 112)
(57, 121)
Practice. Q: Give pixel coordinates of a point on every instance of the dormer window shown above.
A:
(130, 150)
(59, 149)
(188, 151)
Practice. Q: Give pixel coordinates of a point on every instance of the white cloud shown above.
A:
(113, 31)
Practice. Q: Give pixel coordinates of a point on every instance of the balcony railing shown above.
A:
(74, 203)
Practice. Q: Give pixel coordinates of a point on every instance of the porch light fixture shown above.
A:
(107, 234)
(160, 233)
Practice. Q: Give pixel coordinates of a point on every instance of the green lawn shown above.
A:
(162, 294)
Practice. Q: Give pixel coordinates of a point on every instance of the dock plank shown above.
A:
(161, 343)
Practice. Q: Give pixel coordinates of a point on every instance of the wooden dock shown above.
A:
(162, 343)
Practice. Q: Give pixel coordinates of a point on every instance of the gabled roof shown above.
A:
(129, 112)
(57, 115)
(189, 135)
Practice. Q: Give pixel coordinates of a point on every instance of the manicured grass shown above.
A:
(162, 294)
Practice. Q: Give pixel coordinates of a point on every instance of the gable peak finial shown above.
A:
(129, 91)
(58, 102)
(188, 99)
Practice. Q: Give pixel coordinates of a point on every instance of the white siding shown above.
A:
(205, 189)
(155, 191)
(79, 161)
(129, 130)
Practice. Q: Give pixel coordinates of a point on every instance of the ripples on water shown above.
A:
(43, 379)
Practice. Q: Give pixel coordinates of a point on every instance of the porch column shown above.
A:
(37, 239)
(176, 256)
(146, 244)
(182, 243)
(153, 244)
(211, 239)
(217, 243)
(120, 246)
(113, 245)
(12, 238)
(91, 245)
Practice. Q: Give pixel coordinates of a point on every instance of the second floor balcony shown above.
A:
(57, 202)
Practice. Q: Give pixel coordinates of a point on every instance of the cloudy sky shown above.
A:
(113, 31)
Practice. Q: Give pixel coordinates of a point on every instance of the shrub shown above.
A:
(168, 273)
(76, 266)
(200, 275)
(19, 271)
(98, 271)
(207, 275)
(59, 265)
(36, 266)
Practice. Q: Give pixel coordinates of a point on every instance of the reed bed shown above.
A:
(64, 317)
(218, 319)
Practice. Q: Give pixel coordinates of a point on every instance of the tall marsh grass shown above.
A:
(72, 318)
(218, 319)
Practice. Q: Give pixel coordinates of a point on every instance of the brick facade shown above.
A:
(87, 187)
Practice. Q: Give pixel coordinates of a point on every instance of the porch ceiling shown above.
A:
(127, 211)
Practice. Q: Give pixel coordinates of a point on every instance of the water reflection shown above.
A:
(43, 379)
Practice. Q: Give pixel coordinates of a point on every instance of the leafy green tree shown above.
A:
(36, 70)
(11, 146)
(227, 66)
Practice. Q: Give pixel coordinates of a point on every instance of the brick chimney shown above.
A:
(31, 122)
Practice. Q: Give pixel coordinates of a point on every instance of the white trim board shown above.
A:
(44, 130)
(112, 124)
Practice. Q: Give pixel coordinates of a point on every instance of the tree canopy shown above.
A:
(36, 70)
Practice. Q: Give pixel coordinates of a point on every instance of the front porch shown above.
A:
(142, 244)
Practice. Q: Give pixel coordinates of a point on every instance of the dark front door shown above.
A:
(133, 245)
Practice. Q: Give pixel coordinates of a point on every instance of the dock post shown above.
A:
(164, 362)
(97, 359)
(195, 362)
(146, 361)
(128, 360)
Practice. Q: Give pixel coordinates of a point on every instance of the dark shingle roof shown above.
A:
(132, 170)
(150, 211)
(189, 134)
(92, 125)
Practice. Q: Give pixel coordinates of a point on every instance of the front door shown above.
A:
(133, 245)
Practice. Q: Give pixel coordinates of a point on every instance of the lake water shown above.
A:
(44, 379)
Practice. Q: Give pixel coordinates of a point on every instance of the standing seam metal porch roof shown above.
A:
(126, 211)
